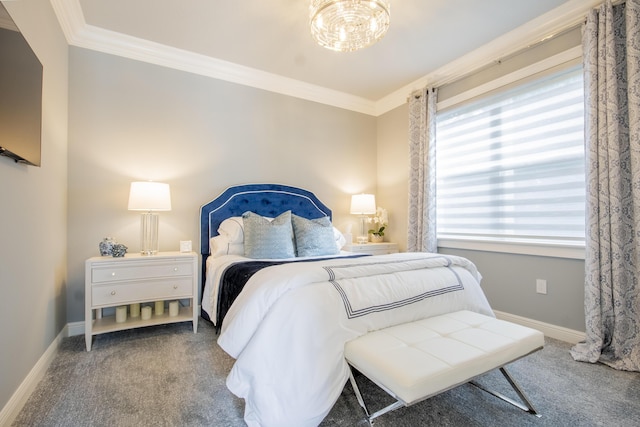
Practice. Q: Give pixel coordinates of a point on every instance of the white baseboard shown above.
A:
(21, 395)
(549, 330)
(75, 328)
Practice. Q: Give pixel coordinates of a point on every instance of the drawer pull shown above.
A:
(113, 274)
(175, 286)
(175, 268)
(113, 292)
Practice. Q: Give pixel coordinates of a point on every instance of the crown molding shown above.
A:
(79, 33)
(535, 31)
(7, 24)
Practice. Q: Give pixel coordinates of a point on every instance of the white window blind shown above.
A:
(510, 165)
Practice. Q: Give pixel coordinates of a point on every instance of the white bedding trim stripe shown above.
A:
(351, 282)
(353, 313)
(373, 266)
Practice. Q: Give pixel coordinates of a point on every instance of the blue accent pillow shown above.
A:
(266, 239)
(314, 237)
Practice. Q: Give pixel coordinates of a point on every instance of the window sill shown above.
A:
(547, 249)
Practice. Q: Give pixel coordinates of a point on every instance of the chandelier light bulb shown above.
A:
(348, 25)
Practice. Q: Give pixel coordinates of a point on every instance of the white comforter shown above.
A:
(216, 266)
(288, 326)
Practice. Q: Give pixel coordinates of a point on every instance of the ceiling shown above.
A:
(267, 43)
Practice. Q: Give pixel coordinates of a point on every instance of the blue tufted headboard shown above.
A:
(264, 199)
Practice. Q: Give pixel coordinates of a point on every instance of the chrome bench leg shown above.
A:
(528, 407)
(356, 390)
(382, 411)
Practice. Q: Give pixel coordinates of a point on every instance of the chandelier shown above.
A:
(348, 25)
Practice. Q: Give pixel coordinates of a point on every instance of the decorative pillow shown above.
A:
(268, 239)
(314, 237)
(221, 245)
(233, 229)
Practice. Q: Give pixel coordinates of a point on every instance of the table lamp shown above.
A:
(363, 205)
(149, 198)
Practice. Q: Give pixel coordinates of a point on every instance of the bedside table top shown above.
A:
(137, 255)
(372, 248)
(370, 245)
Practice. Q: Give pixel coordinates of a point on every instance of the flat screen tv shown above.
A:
(20, 95)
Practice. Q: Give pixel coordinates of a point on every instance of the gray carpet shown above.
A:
(168, 376)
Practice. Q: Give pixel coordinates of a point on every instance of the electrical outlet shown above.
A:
(541, 286)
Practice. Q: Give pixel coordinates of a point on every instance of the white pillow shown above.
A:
(233, 229)
(339, 237)
(221, 245)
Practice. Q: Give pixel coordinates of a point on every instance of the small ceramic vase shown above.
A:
(106, 246)
(376, 239)
(119, 250)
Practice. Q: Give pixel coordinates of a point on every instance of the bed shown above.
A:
(288, 321)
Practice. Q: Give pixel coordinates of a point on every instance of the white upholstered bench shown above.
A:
(414, 361)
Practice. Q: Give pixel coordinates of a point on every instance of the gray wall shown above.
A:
(33, 215)
(509, 281)
(393, 171)
(134, 121)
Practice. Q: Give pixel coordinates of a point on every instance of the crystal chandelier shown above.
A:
(348, 25)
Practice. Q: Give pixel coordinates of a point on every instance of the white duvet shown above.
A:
(215, 268)
(288, 326)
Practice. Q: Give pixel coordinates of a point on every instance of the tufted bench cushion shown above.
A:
(416, 360)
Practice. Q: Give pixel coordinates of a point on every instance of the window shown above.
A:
(510, 164)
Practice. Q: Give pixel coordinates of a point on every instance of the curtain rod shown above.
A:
(521, 50)
(545, 39)
(513, 54)
(417, 94)
(549, 37)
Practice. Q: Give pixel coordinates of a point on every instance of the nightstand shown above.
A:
(372, 248)
(136, 278)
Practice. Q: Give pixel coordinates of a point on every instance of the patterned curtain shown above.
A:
(611, 44)
(422, 174)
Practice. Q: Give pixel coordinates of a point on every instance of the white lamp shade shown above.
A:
(363, 204)
(149, 196)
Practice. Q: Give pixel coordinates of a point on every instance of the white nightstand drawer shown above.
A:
(109, 295)
(114, 273)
